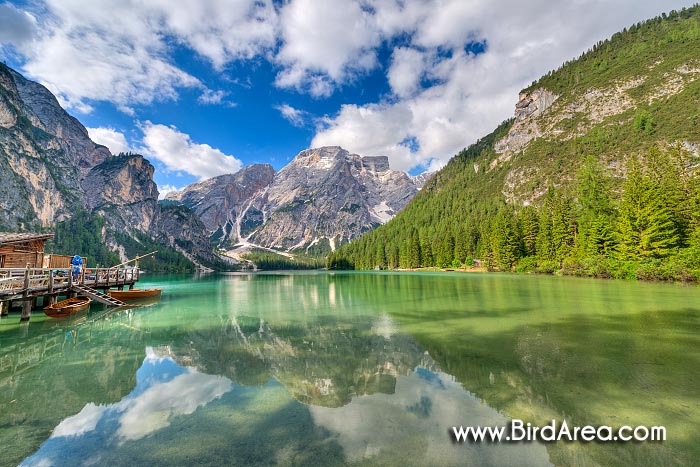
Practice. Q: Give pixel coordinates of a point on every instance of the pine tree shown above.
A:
(529, 228)
(461, 244)
(646, 227)
(414, 250)
(546, 250)
(504, 240)
(563, 228)
(595, 210)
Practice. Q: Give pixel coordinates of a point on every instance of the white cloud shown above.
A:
(469, 95)
(80, 423)
(374, 129)
(121, 51)
(113, 139)
(179, 153)
(407, 67)
(220, 30)
(165, 189)
(296, 117)
(324, 43)
(211, 97)
(16, 27)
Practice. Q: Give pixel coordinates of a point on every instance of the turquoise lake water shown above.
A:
(322, 368)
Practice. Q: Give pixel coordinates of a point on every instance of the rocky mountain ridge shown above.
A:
(324, 197)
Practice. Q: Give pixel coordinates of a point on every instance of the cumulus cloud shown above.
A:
(296, 117)
(16, 27)
(324, 43)
(178, 152)
(467, 94)
(81, 423)
(155, 408)
(407, 67)
(121, 51)
(113, 139)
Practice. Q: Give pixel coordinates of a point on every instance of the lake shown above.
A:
(322, 368)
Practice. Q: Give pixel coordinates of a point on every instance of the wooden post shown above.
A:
(27, 302)
(53, 299)
(26, 310)
(50, 282)
(4, 308)
(26, 282)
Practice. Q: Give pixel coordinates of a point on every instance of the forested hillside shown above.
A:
(596, 174)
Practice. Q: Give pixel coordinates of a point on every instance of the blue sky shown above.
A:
(203, 87)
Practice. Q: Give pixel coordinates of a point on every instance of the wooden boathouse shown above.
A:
(28, 275)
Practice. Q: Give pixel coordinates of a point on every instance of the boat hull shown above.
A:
(67, 307)
(134, 294)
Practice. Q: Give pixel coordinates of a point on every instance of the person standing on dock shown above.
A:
(76, 265)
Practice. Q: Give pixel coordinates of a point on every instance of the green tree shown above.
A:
(529, 228)
(595, 210)
(643, 121)
(646, 227)
(546, 251)
(504, 240)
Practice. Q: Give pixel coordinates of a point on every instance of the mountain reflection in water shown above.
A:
(384, 401)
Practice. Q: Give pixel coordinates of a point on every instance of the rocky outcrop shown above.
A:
(122, 190)
(327, 196)
(525, 128)
(324, 197)
(421, 179)
(181, 229)
(221, 202)
(50, 117)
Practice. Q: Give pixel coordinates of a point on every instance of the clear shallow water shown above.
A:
(358, 368)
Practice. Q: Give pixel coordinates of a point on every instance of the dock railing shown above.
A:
(35, 281)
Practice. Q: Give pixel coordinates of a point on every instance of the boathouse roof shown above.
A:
(7, 238)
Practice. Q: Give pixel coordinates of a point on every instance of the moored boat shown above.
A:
(134, 294)
(68, 307)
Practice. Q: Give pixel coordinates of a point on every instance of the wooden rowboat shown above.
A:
(134, 294)
(67, 307)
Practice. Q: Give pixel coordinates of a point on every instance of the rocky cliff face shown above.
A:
(181, 229)
(44, 153)
(122, 190)
(49, 169)
(72, 136)
(220, 202)
(525, 126)
(322, 198)
(330, 196)
(597, 118)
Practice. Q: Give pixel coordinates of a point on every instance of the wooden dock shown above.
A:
(27, 285)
